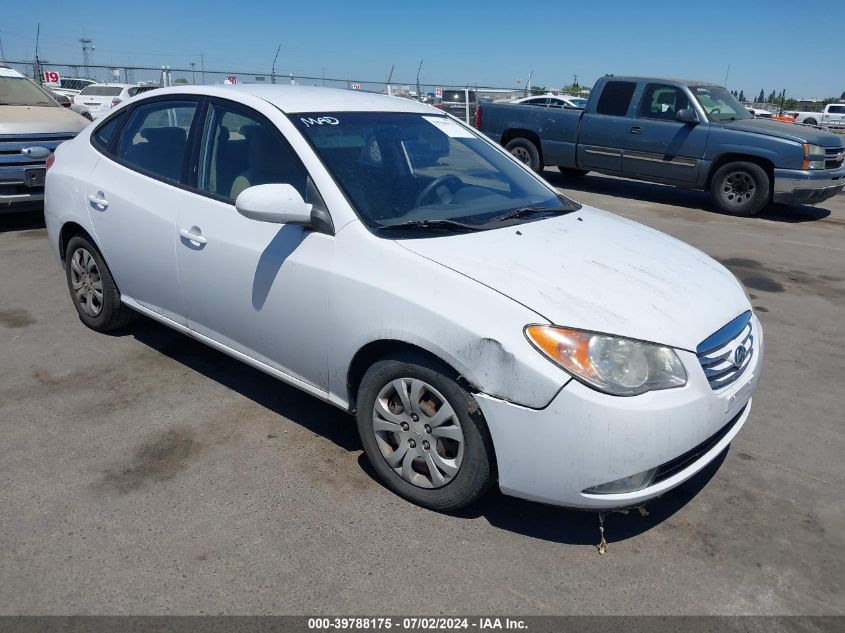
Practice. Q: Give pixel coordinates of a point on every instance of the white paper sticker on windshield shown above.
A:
(449, 127)
(9, 72)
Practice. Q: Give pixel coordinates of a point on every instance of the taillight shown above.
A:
(115, 101)
(478, 118)
(439, 106)
(50, 160)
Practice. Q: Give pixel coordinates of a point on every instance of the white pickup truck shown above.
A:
(833, 116)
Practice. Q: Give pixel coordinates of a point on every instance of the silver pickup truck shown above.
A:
(32, 124)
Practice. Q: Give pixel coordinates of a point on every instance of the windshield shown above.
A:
(405, 168)
(19, 91)
(719, 104)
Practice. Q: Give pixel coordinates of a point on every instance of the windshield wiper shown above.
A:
(448, 225)
(526, 211)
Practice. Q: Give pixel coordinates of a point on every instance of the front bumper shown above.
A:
(584, 438)
(807, 186)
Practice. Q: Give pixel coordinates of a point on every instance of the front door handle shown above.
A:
(98, 199)
(191, 235)
(636, 130)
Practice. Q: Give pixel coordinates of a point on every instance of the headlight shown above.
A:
(614, 365)
(813, 157)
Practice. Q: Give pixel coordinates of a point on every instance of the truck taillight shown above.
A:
(478, 111)
(50, 160)
(115, 101)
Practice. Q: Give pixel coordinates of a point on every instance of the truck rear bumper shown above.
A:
(807, 186)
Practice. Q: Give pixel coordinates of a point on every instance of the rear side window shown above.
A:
(155, 138)
(615, 98)
(103, 135)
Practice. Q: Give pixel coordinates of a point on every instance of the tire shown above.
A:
(526, 152)
(569, 172)
(86, 273)
(740, 188)
(810, 122)
(461, 441)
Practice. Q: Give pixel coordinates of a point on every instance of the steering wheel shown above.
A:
(716, 111)
(436, 184)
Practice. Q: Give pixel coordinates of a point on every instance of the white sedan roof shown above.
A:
(295, 99)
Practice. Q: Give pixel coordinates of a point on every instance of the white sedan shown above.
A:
(378, 254)
(96, 100)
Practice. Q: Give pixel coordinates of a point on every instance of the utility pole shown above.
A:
(87, 49)
(193, 71)
(419, 68)
(2, 54)
(37, 68)
(273, 69)
(202, 66)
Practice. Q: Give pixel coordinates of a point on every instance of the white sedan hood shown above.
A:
(593, 270)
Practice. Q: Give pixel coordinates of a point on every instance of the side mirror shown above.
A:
(279, 204)
(686, 115)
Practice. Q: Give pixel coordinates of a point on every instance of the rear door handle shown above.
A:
(190, 235)
(636, 130)
(98, 199)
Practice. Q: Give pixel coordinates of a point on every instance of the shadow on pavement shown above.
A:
(668, 194)
(528, 518)
(21, 220)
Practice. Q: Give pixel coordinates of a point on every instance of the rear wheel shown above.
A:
(810, 122)
(423, 433)
(526, 152)
(740, 188)
(569, 172)
(92, 289)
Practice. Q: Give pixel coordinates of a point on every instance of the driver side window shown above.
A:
(662, 102)
(241, 150)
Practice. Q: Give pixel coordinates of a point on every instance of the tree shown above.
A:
(842, 96)
(741, 96)
(772, 97)
(762, 96)
(180, 80)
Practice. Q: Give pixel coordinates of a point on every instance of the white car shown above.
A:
(95, 101)
(69, 86)
(552, 100)
(378, 254)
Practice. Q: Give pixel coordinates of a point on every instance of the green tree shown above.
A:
(842, 96)
(762, 96)
(772, 97)
(180, 80)
(741, 96)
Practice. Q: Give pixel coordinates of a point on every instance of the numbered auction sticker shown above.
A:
(449, 127)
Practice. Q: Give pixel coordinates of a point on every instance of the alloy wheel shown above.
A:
(738, 188)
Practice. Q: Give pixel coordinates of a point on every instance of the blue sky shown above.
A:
(770, 45)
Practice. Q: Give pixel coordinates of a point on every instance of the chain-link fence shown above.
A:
(60, 74)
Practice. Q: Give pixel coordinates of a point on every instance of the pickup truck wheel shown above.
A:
(740, 188)
(423, 433)
(526, 152)
(569, 172)
(810, 122)
(92, 289)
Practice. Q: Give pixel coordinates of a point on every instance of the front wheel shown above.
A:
(424, 434)
(526, 152)
(740, 188)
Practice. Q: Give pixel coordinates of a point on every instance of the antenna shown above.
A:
(419, 68)
(2, 54)
(528, 83)
(727, 72)
(38, 76)
(390, 74)
(273, 69)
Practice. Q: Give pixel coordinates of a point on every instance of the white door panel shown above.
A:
(134, 218)
(258, 288)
